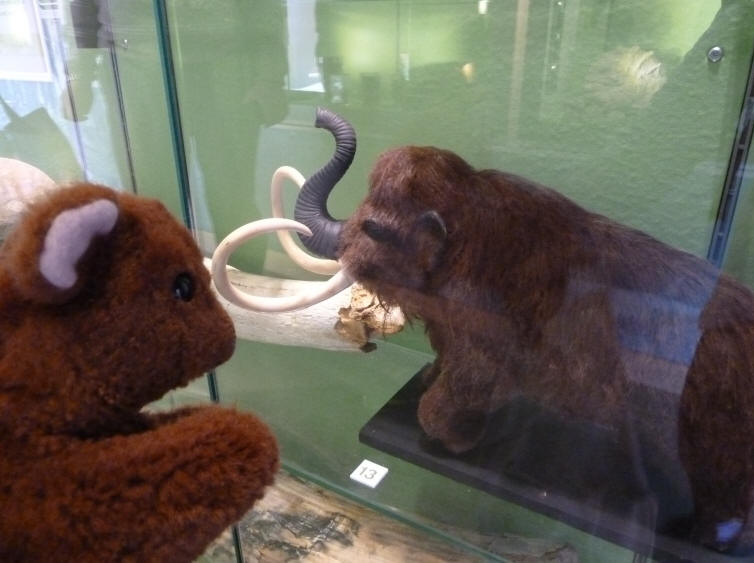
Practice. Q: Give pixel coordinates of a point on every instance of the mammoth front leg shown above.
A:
(461, 395)
(429, 373)
(160, 495)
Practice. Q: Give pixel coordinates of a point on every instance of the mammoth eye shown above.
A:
(377, 232)
(183, 287)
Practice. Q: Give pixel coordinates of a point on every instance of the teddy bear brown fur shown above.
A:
(105, 305)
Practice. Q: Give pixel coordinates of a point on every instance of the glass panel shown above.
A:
(81, 98)
(629, 109)
(141, 79)
(75, 105)
(60, 99)
(740, 259)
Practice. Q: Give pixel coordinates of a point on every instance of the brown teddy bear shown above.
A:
(105, 305)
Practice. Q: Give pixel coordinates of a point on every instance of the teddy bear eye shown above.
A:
(183, 287)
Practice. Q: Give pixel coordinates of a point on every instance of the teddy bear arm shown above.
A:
(161, 495)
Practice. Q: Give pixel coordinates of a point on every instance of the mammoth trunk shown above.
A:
(311, 205)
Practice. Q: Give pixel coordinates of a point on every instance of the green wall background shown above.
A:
(551, 99)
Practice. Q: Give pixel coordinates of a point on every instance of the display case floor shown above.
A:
(300, 521)
(571, 471)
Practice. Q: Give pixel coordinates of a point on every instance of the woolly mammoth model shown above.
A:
(523, 292)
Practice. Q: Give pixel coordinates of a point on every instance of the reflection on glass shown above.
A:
(23, 55)
(594, 101)
(63, 112)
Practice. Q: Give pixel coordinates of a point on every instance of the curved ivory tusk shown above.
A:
(325, 290)
(306, 261)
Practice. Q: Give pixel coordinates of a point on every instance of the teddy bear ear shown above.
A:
(45, 256)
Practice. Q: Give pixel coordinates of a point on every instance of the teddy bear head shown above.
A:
(105, 305)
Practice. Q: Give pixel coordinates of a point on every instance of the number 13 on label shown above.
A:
(369, 473)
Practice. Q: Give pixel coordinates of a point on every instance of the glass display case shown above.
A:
(639, 111)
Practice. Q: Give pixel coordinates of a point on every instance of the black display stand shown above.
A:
(572, 471)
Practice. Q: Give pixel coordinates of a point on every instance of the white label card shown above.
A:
(369, 473)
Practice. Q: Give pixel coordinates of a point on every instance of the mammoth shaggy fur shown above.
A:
(523, 292)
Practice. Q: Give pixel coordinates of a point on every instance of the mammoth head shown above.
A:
(397, 234)
(401, 233)
(397, 229)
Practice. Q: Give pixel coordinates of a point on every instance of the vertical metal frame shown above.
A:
(181, 161)
(174, 111)
(734, 177)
